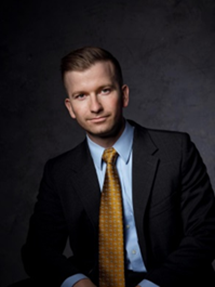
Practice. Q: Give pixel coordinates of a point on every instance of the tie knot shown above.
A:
(110, 155)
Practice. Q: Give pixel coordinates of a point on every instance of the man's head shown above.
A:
(84, 58)
(96, 96)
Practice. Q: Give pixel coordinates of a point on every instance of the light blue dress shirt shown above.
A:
(123, 146)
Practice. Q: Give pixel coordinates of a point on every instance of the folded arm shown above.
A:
(43, 252)
(192, 258)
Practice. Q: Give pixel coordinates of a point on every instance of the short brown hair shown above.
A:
(84, 58)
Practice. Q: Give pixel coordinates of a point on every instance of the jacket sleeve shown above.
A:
(191, 261)
(43, 252)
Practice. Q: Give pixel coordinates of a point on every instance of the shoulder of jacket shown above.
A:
(67, 158)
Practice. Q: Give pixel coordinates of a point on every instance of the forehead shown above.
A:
(100, 72)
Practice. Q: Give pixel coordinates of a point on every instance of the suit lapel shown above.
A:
(86, 183)
(145, 164)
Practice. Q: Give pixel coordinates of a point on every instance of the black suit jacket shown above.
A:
(173, 204)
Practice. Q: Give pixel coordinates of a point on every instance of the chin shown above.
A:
(100, 134)
(104, 133)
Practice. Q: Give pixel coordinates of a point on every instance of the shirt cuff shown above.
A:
(146, 283)
(70, 281)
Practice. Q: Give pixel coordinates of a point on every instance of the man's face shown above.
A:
(96, 100)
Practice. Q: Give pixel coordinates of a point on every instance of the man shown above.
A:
(167, 200)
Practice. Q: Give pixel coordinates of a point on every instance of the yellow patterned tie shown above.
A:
(111, 242)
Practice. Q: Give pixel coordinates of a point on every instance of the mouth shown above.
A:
(98, 119)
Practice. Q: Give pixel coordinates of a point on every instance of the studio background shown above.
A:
(167, 53)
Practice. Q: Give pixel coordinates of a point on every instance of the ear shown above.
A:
(69, 108)
(125, 96)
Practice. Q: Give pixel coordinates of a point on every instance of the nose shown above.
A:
(95, 104)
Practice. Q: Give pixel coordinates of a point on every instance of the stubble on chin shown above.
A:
(112, 132)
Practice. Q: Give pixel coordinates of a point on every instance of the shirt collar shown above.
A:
(123, 146)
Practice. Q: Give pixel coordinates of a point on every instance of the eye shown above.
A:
(106, 91)
(80, 96)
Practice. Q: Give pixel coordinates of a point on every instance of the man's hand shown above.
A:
(84, 283)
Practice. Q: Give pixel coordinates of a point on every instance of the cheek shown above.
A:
(117, 106)
(79, 110)
(114, 104)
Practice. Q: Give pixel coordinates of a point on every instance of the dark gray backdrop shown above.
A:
(167, 52)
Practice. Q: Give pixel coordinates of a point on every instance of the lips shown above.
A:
(98, 119)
